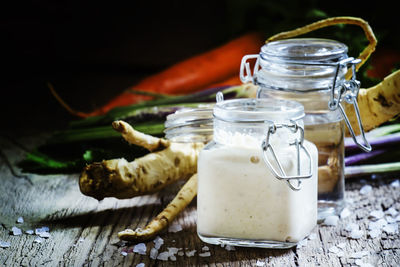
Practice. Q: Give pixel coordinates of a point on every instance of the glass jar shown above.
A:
(312, 72)
(257, 178)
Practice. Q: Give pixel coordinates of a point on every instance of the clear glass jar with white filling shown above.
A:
(312, 72)
(257, 178)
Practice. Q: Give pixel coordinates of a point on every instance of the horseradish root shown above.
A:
(176, 206)
(122, 179)
(377, 104)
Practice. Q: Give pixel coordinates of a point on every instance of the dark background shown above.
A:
(92, 51)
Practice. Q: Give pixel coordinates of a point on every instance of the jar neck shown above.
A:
(247, 134)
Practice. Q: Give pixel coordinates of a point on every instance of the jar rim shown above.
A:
(300, 49)
(256, 110)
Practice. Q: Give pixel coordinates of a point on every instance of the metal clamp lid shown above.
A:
(349, 92)
(280, 174)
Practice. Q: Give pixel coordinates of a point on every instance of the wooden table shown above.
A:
(83, 231)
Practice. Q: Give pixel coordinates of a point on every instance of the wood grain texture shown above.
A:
(84, 231)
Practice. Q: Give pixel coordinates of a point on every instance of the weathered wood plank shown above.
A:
(84, 231)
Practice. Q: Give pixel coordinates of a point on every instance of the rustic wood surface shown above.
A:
(83, 231)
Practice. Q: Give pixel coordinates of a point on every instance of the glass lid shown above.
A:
(298, 49)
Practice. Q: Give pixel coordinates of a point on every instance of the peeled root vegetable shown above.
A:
(122, 179)
(161, 221)
(377, 104)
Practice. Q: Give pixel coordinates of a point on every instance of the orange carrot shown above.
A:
(192, 74)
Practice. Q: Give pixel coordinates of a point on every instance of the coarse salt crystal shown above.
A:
(172, 258)
(345, 213)
(41, 230)
(153, 253)
(181, 253)
(341, 245)
(44, 234)
(4, 244)
(312, 236)
(302, 243)
(260, 263)
(374, 233)
(340, 254)
(390, 219)
(359, 254)
(205, 248)
(124, 253)
(163, 256)
(230, 248)
(140, 248)
(38, 240)
(140, 265)
(391, 228)
(366, 189)
(29, 232)
(205, 254)
(376, 214)
(331, 220)
(379, 224)
(395, 183)
(173, 250)
(392, 211)
(158, 242)
(20, 220)
(174, 228)
(351, 227)
(190, 253)
(333, 249)
(356, 234)
(16, 231)
(360, 263)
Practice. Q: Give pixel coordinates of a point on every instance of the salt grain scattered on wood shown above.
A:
(395, 183)
(331, 220)
(260, 263)
(376, 214)
(345, 213)
(158, 242)
(366, 189)
(163, 256)
(140, 265)
(4, 244)
(16, 231)
(140, 248)
(174, 228)
(20, 220)
(205, 254)
(356, 234)
(190, 253)
(359, 254)
(29, 232)
(38, 240)
(153, 253)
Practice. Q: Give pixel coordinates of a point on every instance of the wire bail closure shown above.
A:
(280, 174)
(245, 71)
(349, 92)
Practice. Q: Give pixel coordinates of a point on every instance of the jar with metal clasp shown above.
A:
(257, 177)
(312, 72)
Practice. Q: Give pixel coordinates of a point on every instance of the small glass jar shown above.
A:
(257, 178)
(312, 71)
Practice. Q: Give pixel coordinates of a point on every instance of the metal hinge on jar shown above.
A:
(280, 173)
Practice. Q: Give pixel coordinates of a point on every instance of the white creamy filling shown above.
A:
(238, 196)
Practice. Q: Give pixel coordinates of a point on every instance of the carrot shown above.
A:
(190, 75)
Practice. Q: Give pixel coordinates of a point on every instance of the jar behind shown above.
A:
(240, 202)
(304, 70)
